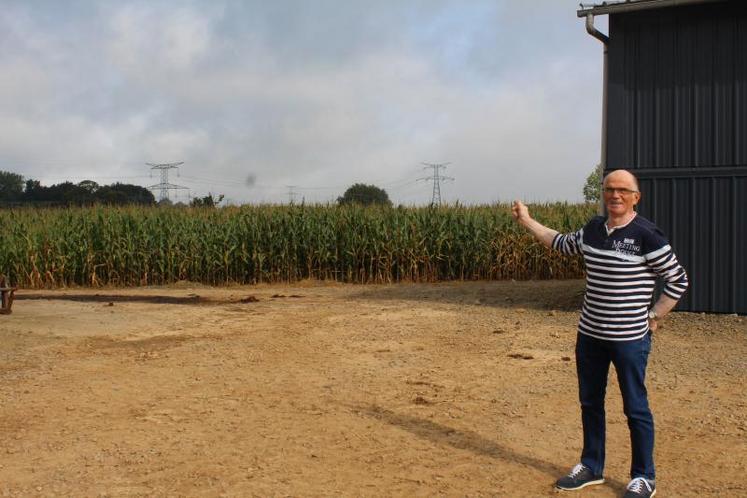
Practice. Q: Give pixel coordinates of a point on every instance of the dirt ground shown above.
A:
(455, 389)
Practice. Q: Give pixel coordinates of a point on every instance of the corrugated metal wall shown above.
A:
(677, 115)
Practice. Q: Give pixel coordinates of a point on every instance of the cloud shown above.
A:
(313, 94)
(161, 38)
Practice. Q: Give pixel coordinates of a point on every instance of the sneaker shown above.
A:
(640, 488)
(579, 477)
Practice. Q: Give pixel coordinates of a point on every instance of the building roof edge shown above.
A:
(612, 7)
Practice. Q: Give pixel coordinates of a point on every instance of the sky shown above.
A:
(268, 101)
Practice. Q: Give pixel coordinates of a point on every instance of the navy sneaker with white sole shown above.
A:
(579, 477)
(640, 487)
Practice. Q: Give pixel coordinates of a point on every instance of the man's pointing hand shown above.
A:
(520, 212)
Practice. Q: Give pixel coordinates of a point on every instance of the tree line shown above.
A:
(15, 190)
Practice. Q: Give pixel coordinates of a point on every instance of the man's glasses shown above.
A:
(621, 191)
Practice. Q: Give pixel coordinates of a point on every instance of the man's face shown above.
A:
(620, 194)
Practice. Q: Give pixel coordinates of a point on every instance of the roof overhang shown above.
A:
(613, 7)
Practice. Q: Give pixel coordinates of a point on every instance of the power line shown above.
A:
(436, 179)
(408, 185)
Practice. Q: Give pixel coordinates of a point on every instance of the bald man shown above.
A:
(624, 254)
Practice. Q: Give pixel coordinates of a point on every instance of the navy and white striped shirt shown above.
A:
(621, 271)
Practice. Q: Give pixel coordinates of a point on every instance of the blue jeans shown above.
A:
(593, 358)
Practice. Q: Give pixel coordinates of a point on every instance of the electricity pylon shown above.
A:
(436, 179)
(165, 186)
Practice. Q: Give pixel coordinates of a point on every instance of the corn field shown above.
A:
(134, 246)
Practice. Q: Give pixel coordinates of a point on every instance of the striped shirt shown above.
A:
(621, 271)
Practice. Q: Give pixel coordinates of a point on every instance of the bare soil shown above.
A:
(454, 389)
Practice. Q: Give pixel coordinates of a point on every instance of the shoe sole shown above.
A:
(590, 483)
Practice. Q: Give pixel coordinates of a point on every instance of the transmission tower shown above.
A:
(436, 179)
(291, 194)
(165, 186)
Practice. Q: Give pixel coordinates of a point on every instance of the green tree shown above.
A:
(593, 185)
(11, 186)
(123, 193)
(89, 186)
(207, 201)
(364, 194)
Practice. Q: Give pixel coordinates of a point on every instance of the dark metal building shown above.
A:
(675, 113)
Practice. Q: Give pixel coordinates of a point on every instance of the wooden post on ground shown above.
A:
(6, 291)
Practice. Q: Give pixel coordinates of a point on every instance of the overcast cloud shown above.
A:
(317, 94)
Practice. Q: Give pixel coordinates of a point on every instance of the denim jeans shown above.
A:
(593, 358)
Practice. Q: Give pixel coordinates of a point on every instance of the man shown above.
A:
(623, 255)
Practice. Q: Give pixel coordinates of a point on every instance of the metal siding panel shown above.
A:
(701, 271)
(677, 83)
(647, 205)
(645, 71)
(664, 101)
(684, 62)
(682, 229)
(722, 222)
(740, 92)
(659, 210)
(740, 245)
(662, 202)
(616, 96)
(703, 72)
(723, 88)
(630, 123)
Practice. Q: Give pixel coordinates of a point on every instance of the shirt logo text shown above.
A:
(626, 246)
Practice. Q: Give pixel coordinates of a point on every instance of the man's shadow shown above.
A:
(467, 440)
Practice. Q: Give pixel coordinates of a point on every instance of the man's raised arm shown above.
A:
(541, 232)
